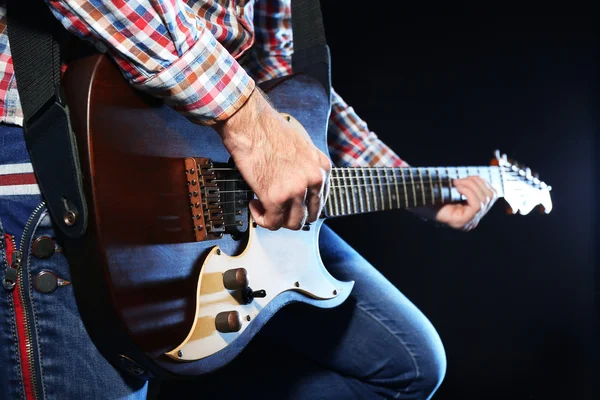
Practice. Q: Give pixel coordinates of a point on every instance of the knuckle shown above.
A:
(279, 198)
(275, 225)
(299, 191)
(316, 179)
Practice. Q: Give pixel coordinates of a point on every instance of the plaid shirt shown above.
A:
(186, 52)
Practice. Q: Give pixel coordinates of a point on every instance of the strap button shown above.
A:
(46, 282)
(43, 247)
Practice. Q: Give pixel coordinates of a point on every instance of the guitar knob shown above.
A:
(228, 321)
(235, 279)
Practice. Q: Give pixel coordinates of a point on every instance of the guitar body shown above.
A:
(148, 290)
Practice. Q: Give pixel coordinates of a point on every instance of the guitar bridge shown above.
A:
(218, 199)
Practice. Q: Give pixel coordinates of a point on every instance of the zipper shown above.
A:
(14, 283)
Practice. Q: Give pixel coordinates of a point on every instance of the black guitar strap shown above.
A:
(34, 42)
(311, 53)
(33, 36)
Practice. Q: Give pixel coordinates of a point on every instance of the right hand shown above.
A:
(286, 171)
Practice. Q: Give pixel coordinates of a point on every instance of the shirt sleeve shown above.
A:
(352, 144)
(271, 56)
(164, 49)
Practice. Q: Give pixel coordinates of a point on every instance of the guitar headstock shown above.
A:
(523, 190)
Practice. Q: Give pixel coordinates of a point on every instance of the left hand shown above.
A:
(465, 216)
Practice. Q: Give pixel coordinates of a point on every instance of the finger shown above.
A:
(482, 190)
(492, 192)
(474, 202)
(315, 198)
(257, 211)
(270, 217)
(474, 187)
(326, 165)
(326, 189)
(484, 187)
(297, 214)
(487, 191)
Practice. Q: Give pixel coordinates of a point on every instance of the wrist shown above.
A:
(239, 131)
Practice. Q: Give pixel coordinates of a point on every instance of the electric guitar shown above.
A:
(172, 277)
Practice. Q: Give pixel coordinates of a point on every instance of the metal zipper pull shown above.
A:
(10, 279)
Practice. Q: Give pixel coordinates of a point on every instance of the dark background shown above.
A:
(513, 299)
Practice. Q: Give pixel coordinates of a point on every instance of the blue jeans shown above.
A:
(376, 345)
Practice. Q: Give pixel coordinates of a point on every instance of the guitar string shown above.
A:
(359, 185)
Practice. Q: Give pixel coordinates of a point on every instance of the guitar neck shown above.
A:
(364, 190)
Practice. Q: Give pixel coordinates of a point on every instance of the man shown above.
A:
(377, 344)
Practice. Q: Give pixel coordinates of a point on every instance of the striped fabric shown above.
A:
(186, 52)
(17, 179)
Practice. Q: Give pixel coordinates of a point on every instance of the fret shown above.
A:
(462, 172)
(489, 171)
(449, 183)
(441, 185)
(333, 197)
(401, 170)
(345, 203)
(359, 187)
(431, 184)
(396, 187)
(389, 188)
(352, 190)
(451, 177)
(366, 190)
(373, 192)
(412, 184)
(348, 193)
(496, 172)
(328, 205)
(380, 186)
(422, 186)
(342, 191)
(502, 179)
(388, 182)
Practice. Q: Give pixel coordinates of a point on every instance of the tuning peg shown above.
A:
(528, 173)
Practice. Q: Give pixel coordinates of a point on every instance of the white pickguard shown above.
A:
(276, 261)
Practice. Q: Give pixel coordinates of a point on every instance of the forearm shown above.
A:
(164, 49)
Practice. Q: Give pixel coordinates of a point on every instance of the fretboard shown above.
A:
(363, 190)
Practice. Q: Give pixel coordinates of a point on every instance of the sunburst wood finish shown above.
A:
(136, 272)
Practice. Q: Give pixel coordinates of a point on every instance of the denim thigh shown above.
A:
(375, 345)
